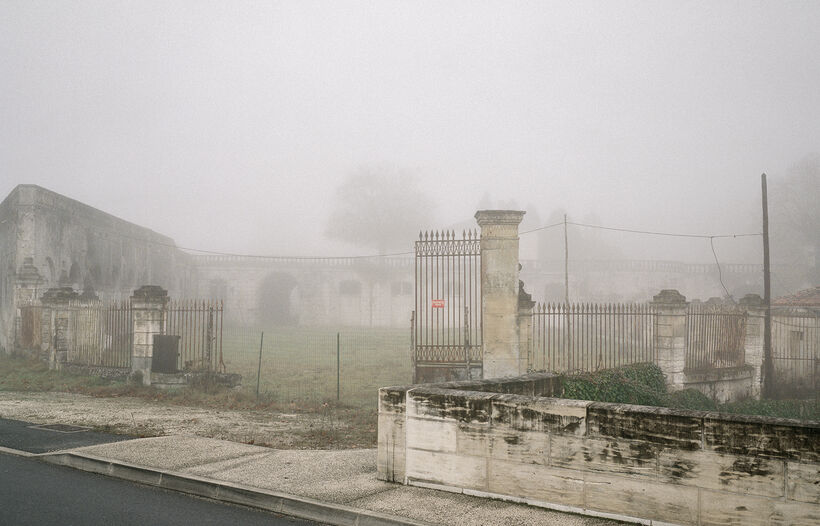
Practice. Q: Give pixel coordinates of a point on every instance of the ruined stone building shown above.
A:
(49, 240)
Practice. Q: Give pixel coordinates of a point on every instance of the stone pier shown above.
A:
(500, 292)
(148, 315)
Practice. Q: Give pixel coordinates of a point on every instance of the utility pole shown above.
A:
(768, 369)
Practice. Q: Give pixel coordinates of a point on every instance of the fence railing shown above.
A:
(100, 334)
(796, 351)
(589, 337)
(715, 337)
(198, 323)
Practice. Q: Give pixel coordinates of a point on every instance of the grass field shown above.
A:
(300, 364)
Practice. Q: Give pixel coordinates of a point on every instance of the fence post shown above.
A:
(755, 319)
(148, 305)
(259, 367)
(670, 330)
(499, 292)
(57, 300)
(338, 368)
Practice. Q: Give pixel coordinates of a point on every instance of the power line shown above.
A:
(654, 233)
(720, 274)
(260, 256)
(408, 253)
(540, 228)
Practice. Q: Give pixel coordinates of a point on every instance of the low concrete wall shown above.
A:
(723, 385)
(635, 463)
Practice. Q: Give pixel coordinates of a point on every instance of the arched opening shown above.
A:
(74, 274)
(51, 278)
(276, 300)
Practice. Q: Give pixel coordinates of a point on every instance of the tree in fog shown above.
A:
(380, 208)
(795, 223)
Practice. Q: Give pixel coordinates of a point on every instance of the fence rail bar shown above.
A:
(586, 337)
(715, 337)
(199, 324)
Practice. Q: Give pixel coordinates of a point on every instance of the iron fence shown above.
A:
(447, 321)
(715, 337)
(586, 337)
(796, 351)
(100, 334)
(198, 323)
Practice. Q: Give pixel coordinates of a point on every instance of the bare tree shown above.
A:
(795, 223)
(381, 208)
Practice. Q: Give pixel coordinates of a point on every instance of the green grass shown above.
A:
(299, 365)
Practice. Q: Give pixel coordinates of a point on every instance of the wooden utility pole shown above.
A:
(768, 369)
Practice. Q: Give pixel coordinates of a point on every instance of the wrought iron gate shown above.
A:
(447, 320)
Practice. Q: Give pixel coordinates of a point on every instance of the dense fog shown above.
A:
(314, 128)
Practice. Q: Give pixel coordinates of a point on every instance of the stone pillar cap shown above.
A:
(669, 296)
(499, 217)
(751, 300)
(59, 295)
(150, 292)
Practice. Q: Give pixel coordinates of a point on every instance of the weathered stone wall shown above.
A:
(628, 462)
(375, 292)
(48, 240)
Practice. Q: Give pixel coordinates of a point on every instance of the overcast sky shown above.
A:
(228, 125)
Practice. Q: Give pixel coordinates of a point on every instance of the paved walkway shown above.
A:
(336, 487)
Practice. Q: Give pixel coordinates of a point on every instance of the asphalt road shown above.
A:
(35, 438)
(35, 493)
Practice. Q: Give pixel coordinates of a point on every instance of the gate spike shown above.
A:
(420, 238)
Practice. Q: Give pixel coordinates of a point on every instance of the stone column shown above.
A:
(525, 305)
(56, 302)
(670, 333)
(147, 319)
(755, 316)
(499, 292)
(26, 284)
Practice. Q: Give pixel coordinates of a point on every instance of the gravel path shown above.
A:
(137, 417)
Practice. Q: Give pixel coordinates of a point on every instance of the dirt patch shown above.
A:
(135, 416)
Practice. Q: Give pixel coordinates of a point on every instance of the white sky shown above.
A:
(228, 125)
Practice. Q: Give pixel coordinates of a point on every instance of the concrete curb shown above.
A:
(295, 506)
(16, 452)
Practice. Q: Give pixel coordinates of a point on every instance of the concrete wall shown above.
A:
(634, 463)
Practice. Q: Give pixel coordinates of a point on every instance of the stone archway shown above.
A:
(276, 300)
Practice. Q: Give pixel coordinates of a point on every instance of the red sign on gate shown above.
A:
(438, 304)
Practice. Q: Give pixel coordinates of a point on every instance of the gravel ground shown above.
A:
(137, 417)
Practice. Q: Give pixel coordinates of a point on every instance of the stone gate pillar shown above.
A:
(56, 301)
(147, 319)
(27, 282)
(499, 292)
(670, 331)
(753, 345)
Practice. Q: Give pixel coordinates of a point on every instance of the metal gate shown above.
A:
(198, 323)
(447, 320)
